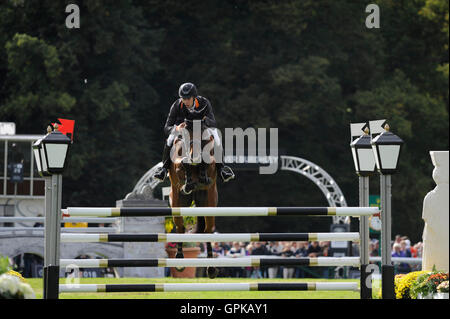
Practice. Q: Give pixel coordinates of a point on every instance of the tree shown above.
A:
(82, 74)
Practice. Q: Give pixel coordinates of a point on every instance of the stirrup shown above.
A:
(226, 176)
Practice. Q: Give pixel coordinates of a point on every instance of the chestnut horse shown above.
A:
(202, 195)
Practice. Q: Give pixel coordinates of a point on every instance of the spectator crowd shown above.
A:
(401, 247)
(290, 249)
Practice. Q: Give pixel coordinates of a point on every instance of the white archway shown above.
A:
(313, 172)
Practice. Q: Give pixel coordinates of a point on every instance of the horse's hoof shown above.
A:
(212, 272)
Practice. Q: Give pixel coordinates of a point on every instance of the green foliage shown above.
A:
(437, 12)
(419, 286)
(34, 79)
(4, 265)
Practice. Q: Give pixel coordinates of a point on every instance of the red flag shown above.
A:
(66, 127)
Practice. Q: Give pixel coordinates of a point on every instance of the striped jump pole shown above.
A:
(219, 211)
(180, 287)
(172, 238)
(25, 219)
(63, 229)
(213, 262)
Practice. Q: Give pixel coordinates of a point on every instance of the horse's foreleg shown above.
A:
(209, 228)
(178, 221)
(209, 250)
(189, 184)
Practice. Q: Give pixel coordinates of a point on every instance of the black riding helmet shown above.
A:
(187, 90)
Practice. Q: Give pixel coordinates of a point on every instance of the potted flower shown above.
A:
(426, 285)
(442, 290)
(14, 286)
(419, 288)
(404, 283)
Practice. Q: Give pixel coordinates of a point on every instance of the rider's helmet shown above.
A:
(187, 90)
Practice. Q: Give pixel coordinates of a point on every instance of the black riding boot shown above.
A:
(161, 173)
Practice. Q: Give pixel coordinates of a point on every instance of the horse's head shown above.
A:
(194, 137)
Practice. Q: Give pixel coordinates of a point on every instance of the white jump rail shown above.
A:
(63, 229)
(218, 211)
(211, 262)
(241, 237)
(181, 287)
(94, 220)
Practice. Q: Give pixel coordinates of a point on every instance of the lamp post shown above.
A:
(51, 158)
(386, 149)
(364, 162)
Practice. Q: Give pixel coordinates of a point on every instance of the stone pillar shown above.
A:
(137, 250)
(435, 214)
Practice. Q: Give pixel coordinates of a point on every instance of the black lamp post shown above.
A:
(51, 152)
(51, 159)
(386, 149)
(364, 166)
(363, 158)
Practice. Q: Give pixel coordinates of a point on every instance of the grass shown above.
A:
(36, 284)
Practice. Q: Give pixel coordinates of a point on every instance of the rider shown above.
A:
(194, 107)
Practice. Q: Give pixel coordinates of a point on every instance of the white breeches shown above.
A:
(211, 131)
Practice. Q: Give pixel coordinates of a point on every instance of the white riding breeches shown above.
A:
(211, 131)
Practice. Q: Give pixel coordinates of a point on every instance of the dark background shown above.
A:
(308, 68)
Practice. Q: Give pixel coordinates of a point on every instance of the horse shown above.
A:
(203, 195)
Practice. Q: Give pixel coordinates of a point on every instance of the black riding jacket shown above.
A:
(179, 112)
